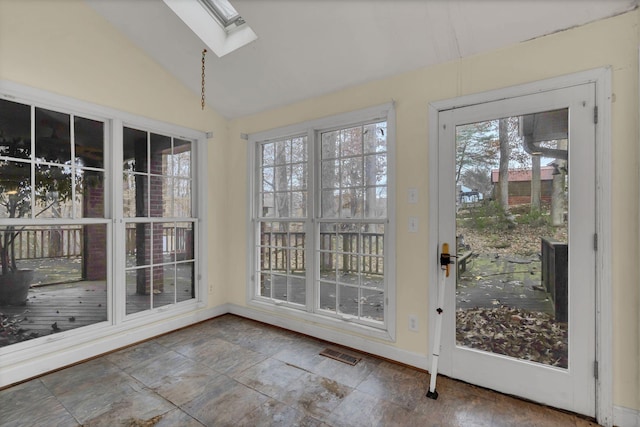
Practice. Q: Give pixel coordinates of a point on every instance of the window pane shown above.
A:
(376, 202)
(138, 244)
(164, 289)
(328, 296)
(138, 284)
(61, 266)
(181, 159)
(330, 145)
(53, 136)
(282, 178)
(168, 241)
(268, 179)
(375, 138)
(15, 189)
(185, 281)
(351, 172)
(373, 304)
(265, 285)
(330, 203)
(134, 146)
(135, 195)
(330, 174)
(161, 163)
(89, 142)
(89, 201)
(160, 200)
(299, 204)
(181, 198)
(53, 192)
(282, 152)
(15, 122)
(348, 301)
(297, 290)
(184, 241)
(268, 154)
(299, 150)
(351, 144)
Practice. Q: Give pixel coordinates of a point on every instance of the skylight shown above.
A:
(215, 22)
(223, 12)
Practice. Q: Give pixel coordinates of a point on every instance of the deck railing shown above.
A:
(342, 251)
(67, 242)
(48, 242)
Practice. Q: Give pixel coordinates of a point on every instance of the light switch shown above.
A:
(413, 195)
(413, 224)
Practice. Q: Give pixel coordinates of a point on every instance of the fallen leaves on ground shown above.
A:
(514, 332)
(11, 332)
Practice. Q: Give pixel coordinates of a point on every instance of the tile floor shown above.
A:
(231, 371)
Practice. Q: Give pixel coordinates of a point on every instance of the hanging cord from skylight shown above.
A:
(204, 51)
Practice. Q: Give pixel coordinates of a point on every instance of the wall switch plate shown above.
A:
(413, 323)
(413, 224)
(412, 196)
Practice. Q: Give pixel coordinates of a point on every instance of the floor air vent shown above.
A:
(341, 356)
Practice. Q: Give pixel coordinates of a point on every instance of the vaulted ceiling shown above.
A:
(307, 48)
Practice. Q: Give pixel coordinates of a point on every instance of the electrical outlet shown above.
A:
(413, 323)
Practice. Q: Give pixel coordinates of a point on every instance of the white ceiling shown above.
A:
(307, 48)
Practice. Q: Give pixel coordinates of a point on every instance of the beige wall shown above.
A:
(65, 47)
(611, 42)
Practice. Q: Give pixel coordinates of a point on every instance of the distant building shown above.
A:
(520, 185)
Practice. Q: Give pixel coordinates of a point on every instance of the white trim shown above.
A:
(380, 349)
(604, 296)
(20, 93)
(625, 417)
(311, 129)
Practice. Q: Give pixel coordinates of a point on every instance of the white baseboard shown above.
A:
(363, 344)
(625, 417)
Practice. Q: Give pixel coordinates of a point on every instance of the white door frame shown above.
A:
(604, 295)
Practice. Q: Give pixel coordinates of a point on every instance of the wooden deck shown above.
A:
(56, 308)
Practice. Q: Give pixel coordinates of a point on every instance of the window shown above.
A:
(159, 226)
(321, 216)
(53, 219)
(98, 220)
(223, 12)
(215, 22)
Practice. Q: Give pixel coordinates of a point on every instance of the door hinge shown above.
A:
(595, 114)
(595, 369)
(595, 241)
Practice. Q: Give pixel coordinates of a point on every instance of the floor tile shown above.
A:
(397, 384)
(271, 377)
(315, 395)
(225, 403)
(17, 407)
(133, 355)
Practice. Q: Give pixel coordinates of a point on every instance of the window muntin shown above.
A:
(330, 258)
(159, 228)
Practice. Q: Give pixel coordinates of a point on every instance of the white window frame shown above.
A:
(312, 129)
(112, 330)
